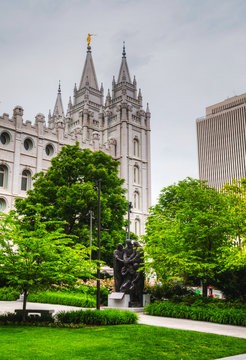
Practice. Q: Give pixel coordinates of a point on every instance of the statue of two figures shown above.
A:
(127, 276)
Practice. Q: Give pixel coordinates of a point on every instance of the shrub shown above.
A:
(63, 298)
(13, 318)
(167, 290)
(106, 288)
(232, 283)
(97, 317)
(221, 316)
(9, 294)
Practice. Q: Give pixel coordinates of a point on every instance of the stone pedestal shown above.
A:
(118, 300)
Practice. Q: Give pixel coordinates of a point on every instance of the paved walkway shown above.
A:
(10, 306)
(201, 326)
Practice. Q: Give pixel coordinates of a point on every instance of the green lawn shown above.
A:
(114, 342)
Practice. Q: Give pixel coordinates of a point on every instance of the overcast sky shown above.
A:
(186, 55)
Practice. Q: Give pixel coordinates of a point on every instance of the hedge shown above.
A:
(63, 298)
(97, 317)
(221, 316)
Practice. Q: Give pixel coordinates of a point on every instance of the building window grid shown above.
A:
(243, 140)
(238, 157)
(240, 147)
(229, 159)
(208, 153)
(223, 146)
(230, 146)
(217, 149)
(222, 137)
(240, 123)
(235, 154)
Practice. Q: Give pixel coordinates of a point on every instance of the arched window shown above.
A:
(3, 176)
(136, 201)
(26, 180)
(28, 144)
(136, 174)
(49, 150)
(136, 147)
(137, 227)
(5, 138)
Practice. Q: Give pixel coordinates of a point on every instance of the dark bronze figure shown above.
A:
(118, 264)
(128, 278)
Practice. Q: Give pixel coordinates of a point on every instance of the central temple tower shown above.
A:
(121, 125)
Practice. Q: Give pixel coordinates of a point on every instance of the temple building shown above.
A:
(119, 126)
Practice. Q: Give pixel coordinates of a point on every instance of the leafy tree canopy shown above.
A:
(39, 257)
(234, 258)
(187, 230)
(67, 192)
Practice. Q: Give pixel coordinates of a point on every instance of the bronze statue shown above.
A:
(128, 276)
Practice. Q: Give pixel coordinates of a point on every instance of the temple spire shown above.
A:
(124, 74)
(89, 75)
(58, 109)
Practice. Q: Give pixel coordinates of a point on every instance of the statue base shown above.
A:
(119, 300)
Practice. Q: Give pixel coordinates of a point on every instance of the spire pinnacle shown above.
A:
(89, 75)
(58, 109)
(147, 109)
(124, 50)
(124, 74)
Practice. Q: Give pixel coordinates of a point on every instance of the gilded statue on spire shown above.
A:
(89, 39)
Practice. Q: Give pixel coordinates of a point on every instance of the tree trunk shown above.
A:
(204, 287)
(24, 306)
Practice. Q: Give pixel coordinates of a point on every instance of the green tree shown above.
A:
(67, 192)
(39, 257)
(231, 280)
(237, 205)
(188, 230)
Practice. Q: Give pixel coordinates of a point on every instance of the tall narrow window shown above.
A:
(3, 204)
(136, 200)
(136, 147)
(3, 176)
(137, 227)
(136, 174)
(26, 180)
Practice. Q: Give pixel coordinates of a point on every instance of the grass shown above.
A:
(136, 342)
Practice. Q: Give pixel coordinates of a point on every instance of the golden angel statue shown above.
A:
(89, 39)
